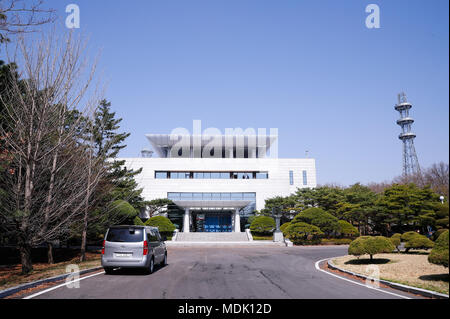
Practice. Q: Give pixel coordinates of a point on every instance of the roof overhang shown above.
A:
(212, 204)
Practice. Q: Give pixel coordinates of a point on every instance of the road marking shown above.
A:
(356, 283)
(61, 285)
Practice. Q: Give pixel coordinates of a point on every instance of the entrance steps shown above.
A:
(212, 237)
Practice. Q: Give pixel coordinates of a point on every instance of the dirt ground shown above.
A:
(409, 269)
(10, 276)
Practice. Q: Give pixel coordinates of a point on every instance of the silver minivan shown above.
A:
(133, 247)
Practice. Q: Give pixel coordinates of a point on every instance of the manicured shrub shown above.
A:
(164, 225)
(320, 218)
(138, 221)
(370, 245)
(347, 230)
(283, 228)
(418, 242)
(439, 253)
(123, 210)
(438, 233)
(262, 225)
(396, 240)
(408, 235)
(302, 233)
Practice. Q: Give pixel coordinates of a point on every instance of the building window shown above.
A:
(305, 178)
(291, 177)
(161, 175)
(262, 175)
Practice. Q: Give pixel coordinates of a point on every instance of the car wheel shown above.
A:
(108, 270)
(164, 261)
(151, 266)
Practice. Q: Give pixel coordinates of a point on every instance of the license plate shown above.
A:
(123, 254)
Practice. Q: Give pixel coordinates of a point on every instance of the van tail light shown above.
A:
(145, 252)
(103, 248)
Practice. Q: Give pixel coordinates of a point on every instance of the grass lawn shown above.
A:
(10, 275)
(262, 237)
(411, 269)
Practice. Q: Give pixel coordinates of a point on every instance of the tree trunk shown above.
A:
(25, 258)
(50, 253)
(84, 237)
(371, 257)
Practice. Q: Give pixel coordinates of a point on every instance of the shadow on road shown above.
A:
(134, 271)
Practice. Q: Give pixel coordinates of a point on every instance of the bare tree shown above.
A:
(48, 171)
(437, 176)
(21, 16)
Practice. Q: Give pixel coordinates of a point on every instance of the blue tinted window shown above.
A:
(215, 175)
(207, 175)
(305, 178)
(225, 175)
(198, 175)
(262, 175)
(173, 175)
(291, 177)
(160, 175)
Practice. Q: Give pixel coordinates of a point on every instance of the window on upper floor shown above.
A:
(291, 177)
(305, 178)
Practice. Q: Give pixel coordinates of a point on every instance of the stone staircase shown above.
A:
(212, 237)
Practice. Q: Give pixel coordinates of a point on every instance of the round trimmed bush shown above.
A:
(347, 230)
(165, 226)
(262, 225)
(408, 235)
(370, 245)
(283, 228)
(302, 233)
(438, 233)
(318, 217)
(439, 253)
(418, 242)
(396, 240)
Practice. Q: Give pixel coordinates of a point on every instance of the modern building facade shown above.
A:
(217, 182)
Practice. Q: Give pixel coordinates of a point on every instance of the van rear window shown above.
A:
(125, 235)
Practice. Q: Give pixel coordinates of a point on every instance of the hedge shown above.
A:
(370, 245)
(318, 217)
(439, 253)
(283, 228)
(416, 241)
(302, 233)
(164, 225)
(262, 225)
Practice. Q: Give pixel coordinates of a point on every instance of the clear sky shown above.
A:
(309, 68)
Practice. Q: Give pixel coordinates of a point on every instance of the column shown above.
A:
(237, 221)
(187, 221)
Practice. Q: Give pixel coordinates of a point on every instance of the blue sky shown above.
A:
(309, 68)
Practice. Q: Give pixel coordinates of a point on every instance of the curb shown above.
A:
(13, 290)
(414, 290)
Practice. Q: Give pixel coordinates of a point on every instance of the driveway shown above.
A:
(229, 272)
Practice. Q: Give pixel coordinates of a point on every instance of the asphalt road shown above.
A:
(224, 272)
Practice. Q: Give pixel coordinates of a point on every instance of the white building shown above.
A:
(215, 182)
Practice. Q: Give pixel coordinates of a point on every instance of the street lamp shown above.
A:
(442, 199)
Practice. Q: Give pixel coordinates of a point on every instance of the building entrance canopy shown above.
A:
(189, 205)
(212, 204)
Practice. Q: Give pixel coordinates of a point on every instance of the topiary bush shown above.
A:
(165, 226)
(408, 235)
(418, 242)
(347, 230)
(438, 233)
(283, 228)
(439, 253)
(320, 218)
(396, 240)
(370, 245)
(302, 233)
(138, 221)
(262, 225)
